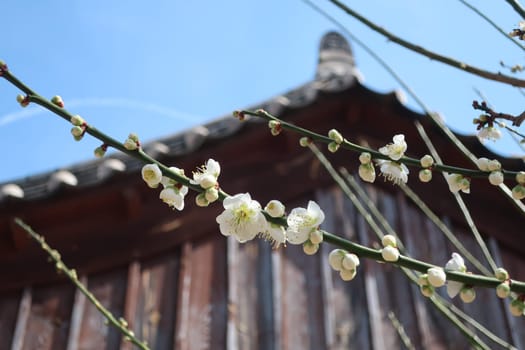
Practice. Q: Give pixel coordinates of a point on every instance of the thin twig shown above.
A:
(517, 7)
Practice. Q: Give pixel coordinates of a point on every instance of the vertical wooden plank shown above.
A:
(48, 322)
(265, 302)
(235, 327)
(9, 306)
(76, 317)
(183, 299)
(156, 306)
(21, 322)
(202, 303)
(109, 288)
(132, 298)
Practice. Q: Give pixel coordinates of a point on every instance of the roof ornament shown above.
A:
(336, 70)
(11, 191)
(110, 166)
(61, 178)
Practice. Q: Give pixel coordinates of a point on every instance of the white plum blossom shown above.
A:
(174, 196)
(393, 171)
(206, 176)
(274, 233)
(242, 218)
(152, 175)
(483, 164)
(496, 178)
(395, 150)
(456, 263)
(390, 253)
(489, 133)
(335, 259)
(302, 222)
(457, 182)
(344, 262)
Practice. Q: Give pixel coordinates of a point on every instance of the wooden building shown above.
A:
(182, 285)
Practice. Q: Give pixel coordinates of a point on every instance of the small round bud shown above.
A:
(496, 178)
(436, 276)
(333, 147)
(425, 175)
(130, 144)
(305, 141)
(517, 307)
(501, 274)
(350, 261)
(335, 259)
(211, 194)
(57, 101)
(23, 100)
(483, 164)
(316, 237)
(77, 131)
(274, 208)
(3, 65)
(422, 280)
(520, 177)
(239, 115)
(482, 118)
(367, 172)
(503, 290)
(475, 121)
(467, 295)
(310, 248)
(77, 120)
(390, 253)
(276, 131)
(273, 124)
(494, 165)
(427, 290)
(336, 136)
(389, 240)
(201, 200)
(427, 161)
(518, 192)
(347, 275)
(365, 158)
(100, 152)
(134, 137)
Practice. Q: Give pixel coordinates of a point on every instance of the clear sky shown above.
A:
(159, 67)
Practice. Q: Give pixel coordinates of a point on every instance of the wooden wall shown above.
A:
(212, 293)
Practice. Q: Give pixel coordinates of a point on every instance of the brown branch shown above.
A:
(430, 54)
(491, 115)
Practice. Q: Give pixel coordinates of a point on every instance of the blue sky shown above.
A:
(162, 68)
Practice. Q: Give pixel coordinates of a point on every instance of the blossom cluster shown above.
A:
(344, 262)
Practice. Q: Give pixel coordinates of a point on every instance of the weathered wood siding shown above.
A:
(213, 293)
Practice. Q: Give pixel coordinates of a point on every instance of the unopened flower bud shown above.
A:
(335, 259)
(211, 194)
(134, 137)
(467, 295)
(100, 152)
(425, 175)
(336, 136)
(130, 145)
(333, 147)
(520, 177)
(201, 200)
(503, 290)
(77, 131)
(316, 237)
(422, 280)
(494, 165)
(77, 120)
(436, 276)
(517, 307)
(367, 172)
(483, 164)
(347, 275)
(501, 274)
(426, 161)
(305, 141)
(57, 101)
(518, 192)
(389, 240)
(390, 253)
(23, 100)
(274, 208)
(275, 127)
(427, 290)
(496, 178)
(365, 158)
(310, 248)
(350, 261)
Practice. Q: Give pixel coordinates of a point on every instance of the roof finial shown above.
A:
(336, 64)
